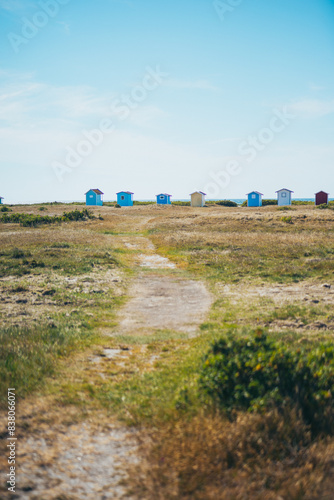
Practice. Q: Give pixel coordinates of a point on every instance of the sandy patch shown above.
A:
(80, 461)
(281, 294)
(155, 262)
(164, 302)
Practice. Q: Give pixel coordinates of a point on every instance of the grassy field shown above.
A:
(269, 270)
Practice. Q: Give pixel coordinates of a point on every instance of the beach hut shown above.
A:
(164, 199)
(198, 199)
(125, 198)
(1, 198)
(254, 199)
(321, 198)
(284, 197)
(94, 197)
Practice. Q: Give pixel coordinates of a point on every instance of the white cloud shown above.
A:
(144, 116)
(23, 100)
(315, 87)
(312, 108)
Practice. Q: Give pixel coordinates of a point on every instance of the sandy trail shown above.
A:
(159, 301)
(82, 461)
(164, 302)
(75, 462)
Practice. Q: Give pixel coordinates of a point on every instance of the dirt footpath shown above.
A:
(164, 302)
(76, 462)
(84, 461)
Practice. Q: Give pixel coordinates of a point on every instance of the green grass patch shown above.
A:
(59, 257)
(29, 355)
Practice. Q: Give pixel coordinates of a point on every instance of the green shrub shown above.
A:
(181, 203)
(254, 373)
(5, 209)
(42, 209)
(77, 215)
(226, 203)
(117, 206)
(143, 202)
(268, 202)
(285, 208)
(60, 245)
(323, 206)
(31, 220)
(17, 253)
(287, 219)
(300, 202)
(265, 203)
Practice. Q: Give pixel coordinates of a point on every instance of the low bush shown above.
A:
(226, 203)
(287, 219)
(5, 209)
(60, 245)
(254, 373)
(144, 202)
(323, 206)
(77, 215)
(285, 208)
(265, 203)
(31, 220)
(268, 202)
(17, 253)
(302, 202)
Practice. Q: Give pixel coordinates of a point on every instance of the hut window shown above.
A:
(161, 197)
(283, 195)
(122, 197)
(253, 196)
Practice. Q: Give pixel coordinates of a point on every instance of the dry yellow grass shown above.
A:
(260, 269)
(267, 457)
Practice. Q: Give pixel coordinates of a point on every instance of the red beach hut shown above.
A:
(321, 198)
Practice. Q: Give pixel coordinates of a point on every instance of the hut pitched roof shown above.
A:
(96, 191)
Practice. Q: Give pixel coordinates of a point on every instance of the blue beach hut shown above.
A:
(94, 198)
(163, 199)
(125, 198)
(1, 198)
(254, 199)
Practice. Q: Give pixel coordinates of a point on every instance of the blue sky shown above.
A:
(150, 96)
